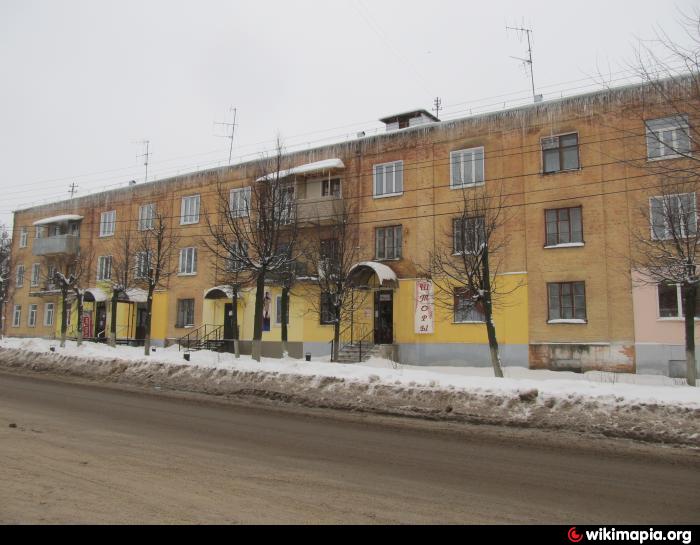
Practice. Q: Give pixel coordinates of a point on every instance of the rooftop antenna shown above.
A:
(233, 131)
(145, 156)
(437, 106)
(528, 61)
(72, 189)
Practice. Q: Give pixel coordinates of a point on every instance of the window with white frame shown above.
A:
(673, 216)
(17, 316)
(388, 179)
(671, 304)
(69, 314)
(143, 265)
(467, 308)
(185, 313)
(36, 272)
(108, 222)
(51, 275)
(31, 318)
(330, 188)
(189, 210)
(567, 301)
(667, 137)
(237, 258)
(19, 277)
(388, 242)
(240, 202)
(560, 153)
(468, 235)
(147, 214)
(23, 236)
(188, 261)
(49, 309)
(38, 231)
(104, 267)
(467, 167)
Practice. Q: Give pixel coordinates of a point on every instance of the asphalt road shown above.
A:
(87, 453)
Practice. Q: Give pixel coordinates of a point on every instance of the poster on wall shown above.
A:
(425, 307)
(266, 311)
(87, 325)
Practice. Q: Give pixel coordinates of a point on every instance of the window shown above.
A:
(240, 202)
(327, 309)
(31, 319)
(39, 231)
(388, 242)
(189, 210)
(68, 314)
(185, 313)
(188, 261)
(567, 301)
(563, 226)
(560, 153)
(671, 304)
(673, 216)
(467, 167)
(147, 214)
(19, 277)
(278, 308)
(286, 205)
(667, 137)
(108, 221)
(17, 316)
(104, 267)
(48, 314)
(237, 258)
(388, 179)
(466, 308)
(36, 271)
(51, 275)
(468, 235)
(23, 236)
(143, 265)
(330, 188)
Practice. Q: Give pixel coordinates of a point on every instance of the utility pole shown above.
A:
(233, 131)
(437, 106)
(527, 61)
(72, 189)
(145, 155)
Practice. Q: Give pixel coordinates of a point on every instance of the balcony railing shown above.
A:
(58, 244)
(318, 210)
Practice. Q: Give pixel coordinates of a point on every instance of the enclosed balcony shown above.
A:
(57, 244)
(57, 235)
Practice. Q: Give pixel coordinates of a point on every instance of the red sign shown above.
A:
(87, 325)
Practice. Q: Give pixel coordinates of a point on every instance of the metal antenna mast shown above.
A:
(527, 61)
(437, 106)
(229, 136)
(145, 155)
(72, 189)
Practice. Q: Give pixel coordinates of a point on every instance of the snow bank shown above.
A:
(660, 410)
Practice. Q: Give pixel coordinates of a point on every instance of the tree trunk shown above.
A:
(690, 305)
(149, 313)
(234, 322)
(285, 319)
(79, 301)
(336, 340)
(488, 308)
(64, 325)
(258, 316)
(113, 319)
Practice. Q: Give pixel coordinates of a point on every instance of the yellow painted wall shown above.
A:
(159, 323)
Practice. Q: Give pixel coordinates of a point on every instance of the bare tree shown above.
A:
(465, 271)
(255, 227)
(331, 254)
(154, 245)
(5, 267)
(124, 248)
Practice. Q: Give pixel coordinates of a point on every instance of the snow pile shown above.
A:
(658, 409)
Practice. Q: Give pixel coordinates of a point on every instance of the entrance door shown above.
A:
(228, 321)
(100, 320)
(141, 322)
(383, 317)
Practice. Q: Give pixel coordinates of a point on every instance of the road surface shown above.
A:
(86, 453)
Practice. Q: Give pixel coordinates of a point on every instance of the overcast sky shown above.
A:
(83, 82)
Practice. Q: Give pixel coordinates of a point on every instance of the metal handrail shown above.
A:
(202, 335)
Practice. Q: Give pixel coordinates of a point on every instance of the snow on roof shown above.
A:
(384, 273)
(412, 113)
(58, 219)
(308, 168)
(226, 290)
(97, 294)
(137, 295)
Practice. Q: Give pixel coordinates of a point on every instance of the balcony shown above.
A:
(58, 244)
(316, 210)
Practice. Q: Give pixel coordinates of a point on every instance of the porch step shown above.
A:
(350, 353)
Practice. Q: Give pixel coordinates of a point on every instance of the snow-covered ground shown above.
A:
(606, 388)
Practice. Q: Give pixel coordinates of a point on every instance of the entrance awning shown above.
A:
(308, 168)
(137, 295)
(361, 273)
(95, 295)
(219, 292)
(133, 295)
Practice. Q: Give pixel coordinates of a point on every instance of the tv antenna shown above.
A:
(145, 156)
(72, 189)
(528, 61)
(233, 131)
(437, 106)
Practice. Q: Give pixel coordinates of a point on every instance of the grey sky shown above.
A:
(84, 81)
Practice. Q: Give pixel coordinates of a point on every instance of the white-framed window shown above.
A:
(240, 202)
(104, 267)
(466, 308)
(673, 216)
(108, 222)
(188, 261)
(69, 314)
(388, 179)
(560, 153)
(49, 309)
(147, 214)
(185, 313)
(23, 236)
(667, 137)
(285, 213)
(143, 265)
(19, 277)
(388, 242)
(36, 272)
(468, 235)
(467, 167)
(38, 231)
(17, 316)
(670, 299)
(31, 318)
(189, 210)
(330, 188)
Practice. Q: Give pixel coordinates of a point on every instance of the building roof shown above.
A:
(412, 113)
(308, 168)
